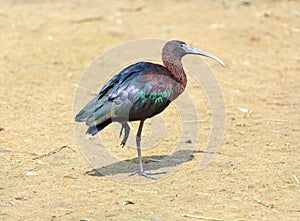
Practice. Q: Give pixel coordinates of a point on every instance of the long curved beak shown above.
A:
(190, 50)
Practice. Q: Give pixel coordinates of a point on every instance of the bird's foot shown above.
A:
(123, 142)
(125, 127)
(147, 174)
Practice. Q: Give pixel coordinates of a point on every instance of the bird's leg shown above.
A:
(141, 171)
(126, 127)
(138, 144)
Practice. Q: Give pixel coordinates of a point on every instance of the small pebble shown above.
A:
(296, 179)
(236, 90)
(239, 124)
(246, 63)
(268, 14)
(39, 162)
(119, 21)
(166, 30)
(126, 202)
(223, 191)
(188, 141)
(1, 128)
(288, 143)
(31, 173)
(243, 110)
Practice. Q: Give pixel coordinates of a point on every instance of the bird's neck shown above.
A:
(177, 71)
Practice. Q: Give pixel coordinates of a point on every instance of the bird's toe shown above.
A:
(122, 144)
(147, 174)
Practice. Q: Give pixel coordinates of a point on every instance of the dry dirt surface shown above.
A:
(46, 46)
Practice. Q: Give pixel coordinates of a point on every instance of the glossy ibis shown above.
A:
(138, 92)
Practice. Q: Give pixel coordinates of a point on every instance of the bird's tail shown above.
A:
(88, 110)
(96, 114)
(92, 130)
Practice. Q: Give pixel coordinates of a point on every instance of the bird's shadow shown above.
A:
(150, 163)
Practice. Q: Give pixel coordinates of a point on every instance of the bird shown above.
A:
(139, 92)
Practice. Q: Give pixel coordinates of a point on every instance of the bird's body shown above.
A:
(138, 92)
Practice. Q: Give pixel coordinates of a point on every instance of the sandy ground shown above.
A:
(46, 46)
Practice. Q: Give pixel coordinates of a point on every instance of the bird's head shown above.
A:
(177, 49)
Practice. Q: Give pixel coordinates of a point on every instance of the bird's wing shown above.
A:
(99, 106)
(121, 77)
(138, 92)
(143, 94)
